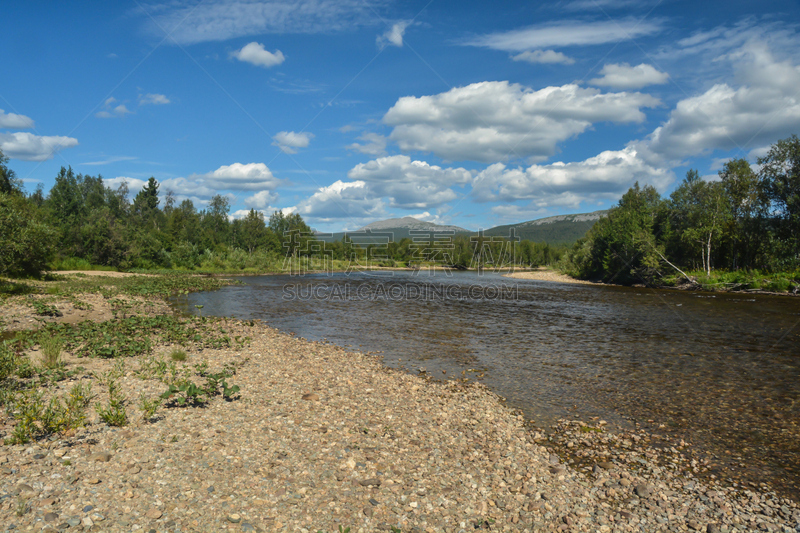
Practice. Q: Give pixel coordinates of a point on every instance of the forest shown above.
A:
(739, 231)
(83, 224)
(729, 231)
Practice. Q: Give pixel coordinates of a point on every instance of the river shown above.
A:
(719, 370)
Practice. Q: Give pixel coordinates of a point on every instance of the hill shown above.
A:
(393, 229)
(560, 229)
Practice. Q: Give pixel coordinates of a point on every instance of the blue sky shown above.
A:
(351, 111)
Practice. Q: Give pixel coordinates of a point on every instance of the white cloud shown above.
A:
(239, 177)
(261, 199)
(543, 56)
(624, 76)
(604, 176)
(606, 5)
(759, 112)
(255, 54)
(154, 99)
(12, 121)
(29, 147)
(496, 121)
(374, 144)
(410, 184)
(567, 33)
(220, 20)
(111, 111)
(349, 200)
(394, 35)
(290, 141)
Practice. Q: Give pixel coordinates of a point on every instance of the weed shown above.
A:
(114, 414)
(44, 309)
(8, 361)
(51, 350)
(66, 463)
(23, 506)
(148, 407)
(25, 369)
(178, 355)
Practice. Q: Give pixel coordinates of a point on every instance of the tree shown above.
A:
(26, 244)
(747, 206)
(9, 183)
(780, 173)
(292, 230)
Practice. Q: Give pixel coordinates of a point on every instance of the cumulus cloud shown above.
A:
(29, 147)
(261, 199)
(394, 35)
(757, 113)
(374, 144)
(12, 121)
(255, 54)
(220, 20)
(624, 76)
(497, 121)
(349, 200)
(153, 99)
(604, 176)
(543, 56)
(410, 184)
(290, 141)
(567, 33)
(239, 177)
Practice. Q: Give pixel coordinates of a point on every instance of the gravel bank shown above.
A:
(323, 437)
(549, 275)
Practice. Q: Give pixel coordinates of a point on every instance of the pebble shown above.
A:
(397, 450)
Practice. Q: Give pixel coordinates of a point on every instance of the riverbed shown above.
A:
(721, 371)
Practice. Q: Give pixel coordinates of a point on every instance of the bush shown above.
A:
(51, 350)
(26, 244)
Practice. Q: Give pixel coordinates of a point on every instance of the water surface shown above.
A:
(719, 370)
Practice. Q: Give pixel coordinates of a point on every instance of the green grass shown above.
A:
(721, 280)
(178, 355)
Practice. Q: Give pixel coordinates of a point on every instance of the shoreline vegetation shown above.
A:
(313, 438)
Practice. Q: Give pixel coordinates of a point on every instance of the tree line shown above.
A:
(747, 220)
(83, 222)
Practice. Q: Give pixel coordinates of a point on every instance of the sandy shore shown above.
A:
(548, 275)
(322, 437)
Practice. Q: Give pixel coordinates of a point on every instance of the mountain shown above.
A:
(560, 229)
(393, 229)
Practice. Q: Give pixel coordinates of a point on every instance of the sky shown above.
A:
(351, 111)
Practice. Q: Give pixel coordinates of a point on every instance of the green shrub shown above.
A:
(51, 350)
(114, 414)
(178, 355)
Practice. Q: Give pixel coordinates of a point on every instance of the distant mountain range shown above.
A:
(560, 229)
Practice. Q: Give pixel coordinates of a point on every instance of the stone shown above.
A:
(247, 527)
(605, 465)
(87, 522)
(373, 481)
(154, 514)
(311, 397)
(100, 457)
(50, 517)
(234, 518)
(93, 481)
(642, 490)
(88, 508)
(712, 528)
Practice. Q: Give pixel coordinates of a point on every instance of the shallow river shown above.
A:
(719, 370)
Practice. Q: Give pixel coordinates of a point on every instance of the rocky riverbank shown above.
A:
(320, 437)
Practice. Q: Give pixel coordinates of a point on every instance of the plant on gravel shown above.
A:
(37, 418)
(114, 414)
(178, 355)
(23, 506)
(148, 407)
(8, 361)
(44, 309)
(51, 350)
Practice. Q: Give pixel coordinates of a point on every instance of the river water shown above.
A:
(719, 370)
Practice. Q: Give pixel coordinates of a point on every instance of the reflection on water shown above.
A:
(721, 371)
